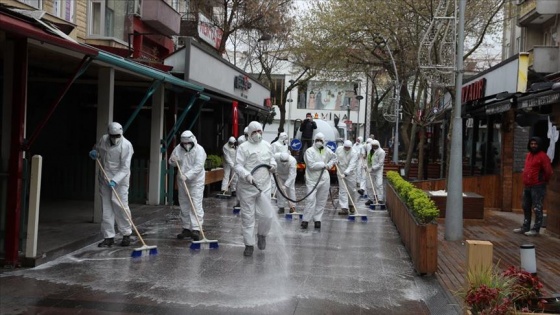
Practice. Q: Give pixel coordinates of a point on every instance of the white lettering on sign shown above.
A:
(540, 100)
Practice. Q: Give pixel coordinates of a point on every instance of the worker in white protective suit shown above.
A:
(243, 137)
(318, 159)
(359, 147)
(286, 174)
(254, 202)
(114, 152)
(281, 145)
(375, 161)
(347, 167)
(229, 180)
(190, 157)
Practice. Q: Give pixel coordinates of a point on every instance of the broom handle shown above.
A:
(190, 199)
(373, 188)
(126, 211)
(231, 179)
(347, 191)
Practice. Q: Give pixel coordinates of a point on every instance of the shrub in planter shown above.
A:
(422, 207)
(213, 161)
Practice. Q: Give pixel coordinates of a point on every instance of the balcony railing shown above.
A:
(161, 16)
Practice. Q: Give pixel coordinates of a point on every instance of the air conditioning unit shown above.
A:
(137, 9)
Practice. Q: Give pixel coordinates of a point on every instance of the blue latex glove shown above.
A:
(93, 154)
(112, 184)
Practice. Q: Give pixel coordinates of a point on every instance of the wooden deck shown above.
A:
(497, 228)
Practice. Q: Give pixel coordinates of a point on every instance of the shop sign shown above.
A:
(208, 32)
(241, 82)
(540, 100)
(473, 91)
(498, 108)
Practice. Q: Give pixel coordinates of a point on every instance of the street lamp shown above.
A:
(397, 97)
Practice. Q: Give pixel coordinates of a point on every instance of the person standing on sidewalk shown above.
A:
(286, 172)
(229, 181)
(306, 128)
(536, 174)
(347, 166)
(318, 159)
(254, 201)
(114, 152)
(190, 157)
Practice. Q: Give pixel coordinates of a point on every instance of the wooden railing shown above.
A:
(488, 186)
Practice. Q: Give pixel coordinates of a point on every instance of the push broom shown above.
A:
(351, 217)
(292, 211)
(377, 205)
(144, 250)
(225, 195)
(197, 244)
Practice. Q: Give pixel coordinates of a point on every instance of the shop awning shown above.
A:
(144, 70)
(26, 28)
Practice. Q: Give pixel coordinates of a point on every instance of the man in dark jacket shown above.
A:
(306, 128)
(536, 174)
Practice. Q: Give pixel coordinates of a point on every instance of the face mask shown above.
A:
(319, 145)
(115, 140)
(187, 146)
(257, 137)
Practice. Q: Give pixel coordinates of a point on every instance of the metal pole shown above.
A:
(454, 206)
(397, 106)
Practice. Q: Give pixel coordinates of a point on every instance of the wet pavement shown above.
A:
(345, 267)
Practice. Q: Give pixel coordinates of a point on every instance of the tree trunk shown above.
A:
(410, 148)
(422, 135)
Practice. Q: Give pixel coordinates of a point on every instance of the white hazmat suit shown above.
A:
(114, 152)
(375, 162)
(190, 157)
(347, 166)
(286, 173)
(359, 147)
(318, 159)
(229, 180)
(250, 154)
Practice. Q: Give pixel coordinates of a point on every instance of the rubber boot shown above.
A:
(248, 251)
(108, 242)
(261, 242)
(343, 211)
(369, 202)
(304, 224)
(185, 234)
(352, 210)
(317, 224)
(125, 240)
(195, 235)
(281, 210)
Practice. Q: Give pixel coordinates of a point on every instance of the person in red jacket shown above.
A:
(536, 174)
